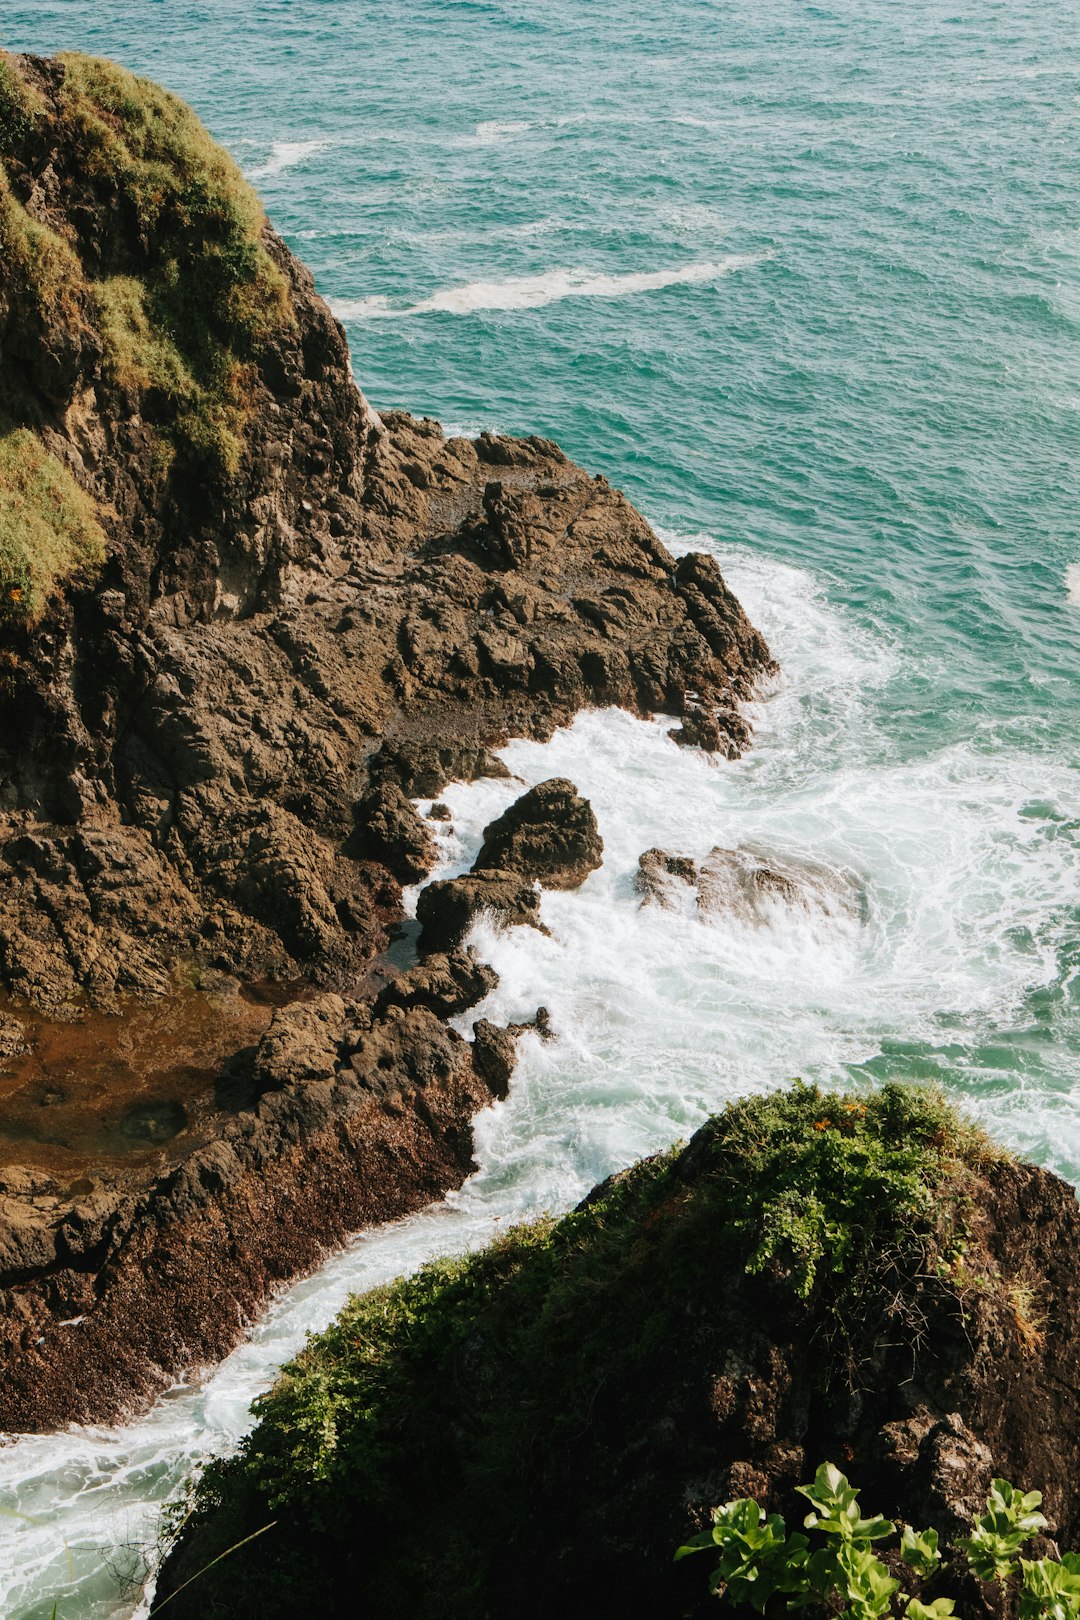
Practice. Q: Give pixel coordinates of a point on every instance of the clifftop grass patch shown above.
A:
(49, 527)
(176, 279)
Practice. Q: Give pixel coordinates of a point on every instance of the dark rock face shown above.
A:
(494, 1055)
(388, 829)
(358, 1118)
(447, 910)
(208, 746)
(550, 834)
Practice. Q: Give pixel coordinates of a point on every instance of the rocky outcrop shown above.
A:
(446, 910)
(549, 834)
(271, 618)
(349, 1118)
(562, 1411)
(445, 984)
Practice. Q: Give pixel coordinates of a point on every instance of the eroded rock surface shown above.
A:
(549, 834)
(307, 615)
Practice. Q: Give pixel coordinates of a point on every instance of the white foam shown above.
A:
(534, 292)
(493, 131)
(286, 155)
(1072, 582)
(968, 864)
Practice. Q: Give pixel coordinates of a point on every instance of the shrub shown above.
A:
(49, 527)
(760, 1561)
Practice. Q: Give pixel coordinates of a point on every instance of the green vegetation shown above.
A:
(182, 286)
(20, 104)
(480, 1374)
(43, 267)
(760, 1562)
(49, 527)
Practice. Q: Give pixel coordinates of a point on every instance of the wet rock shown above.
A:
(550, 834)
(735, 881)
(494, 1055)
(13, 1038)
(389, 829)
(439, 812)
(154, 1122)
(446, 910)
(719, 732)
(663, 878)
(445, 984)
(748, 884)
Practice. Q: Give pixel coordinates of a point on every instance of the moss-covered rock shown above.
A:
(531, 1430)
(172, 295)
(49, 527)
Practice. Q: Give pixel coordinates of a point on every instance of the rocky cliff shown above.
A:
(533, 1430)
(243, 622)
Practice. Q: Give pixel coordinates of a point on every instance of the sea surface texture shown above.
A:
(803, 279)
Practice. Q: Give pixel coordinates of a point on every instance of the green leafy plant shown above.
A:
(1011, 1518)
(759, 1560)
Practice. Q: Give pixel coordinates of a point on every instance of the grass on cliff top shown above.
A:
(442, 1401)
(49, 529)
(180, 285)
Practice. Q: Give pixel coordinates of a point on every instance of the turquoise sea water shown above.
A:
(804, 279)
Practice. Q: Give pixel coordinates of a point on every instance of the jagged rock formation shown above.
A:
(243, 620)
(303, 614)
(533, 1430)
(549, 834)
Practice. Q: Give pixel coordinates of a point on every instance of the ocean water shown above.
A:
(804, 279)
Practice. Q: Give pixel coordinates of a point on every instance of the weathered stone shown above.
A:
(550, 834)
(494, 1055)
(445, 984)
(446, 910)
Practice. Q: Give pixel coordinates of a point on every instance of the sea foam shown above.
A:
(661, 1017)
(286, 155)
(534, 292)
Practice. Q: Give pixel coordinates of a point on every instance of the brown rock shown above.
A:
(550, 834)
(494, 1055)
(447, 909)
(445, 984)
(662, 877)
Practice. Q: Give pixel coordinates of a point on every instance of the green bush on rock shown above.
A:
(186, 294)
(455, 1397)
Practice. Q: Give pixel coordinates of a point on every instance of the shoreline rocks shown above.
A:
(299, 616)
(859, 1278)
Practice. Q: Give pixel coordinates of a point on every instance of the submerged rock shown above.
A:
(746, 884)
(663, 878)
(550, 834)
